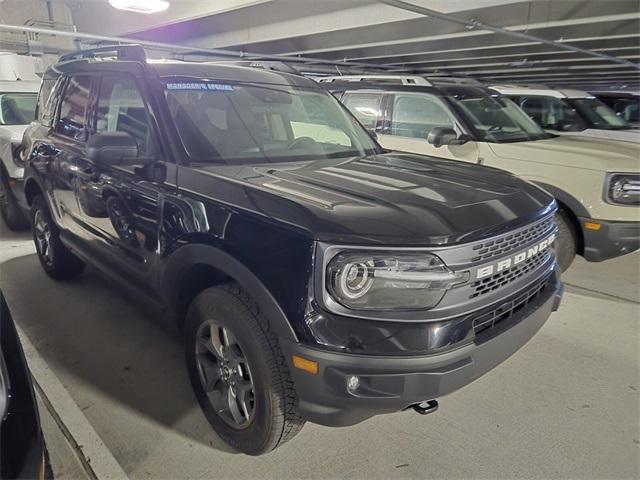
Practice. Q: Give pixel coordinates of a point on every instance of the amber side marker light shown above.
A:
(592, 226)
(307, 365)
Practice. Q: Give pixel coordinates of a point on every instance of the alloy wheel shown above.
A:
(225, 374)
(42, 231)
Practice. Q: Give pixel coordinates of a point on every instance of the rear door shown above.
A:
(120, 204)
(58, 150)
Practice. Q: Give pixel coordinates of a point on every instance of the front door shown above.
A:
(413, 116)
(120, 204)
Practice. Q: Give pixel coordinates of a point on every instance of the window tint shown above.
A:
(312, 120)
(17, 108)
(45, 109)
(597, 114)
(550, 112)
(73, 107)
(365, 106)
(415, 115)
(247, 123)
(121, 109)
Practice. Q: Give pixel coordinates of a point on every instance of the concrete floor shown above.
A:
(565, 406)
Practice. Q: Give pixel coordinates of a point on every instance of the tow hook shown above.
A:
(425, 408)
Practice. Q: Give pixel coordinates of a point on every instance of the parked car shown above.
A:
(314, 275)
(570, 112)
(19, 86)
(625, 104)
(594, 181)
(23, 452)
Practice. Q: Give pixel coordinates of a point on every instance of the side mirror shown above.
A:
(440, 136)
(113, 148)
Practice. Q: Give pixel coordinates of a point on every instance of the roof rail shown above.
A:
(131, 52)
(265, 65)
(457, 80)
(396, 79)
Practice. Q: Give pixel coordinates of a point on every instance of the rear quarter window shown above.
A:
(47, 100)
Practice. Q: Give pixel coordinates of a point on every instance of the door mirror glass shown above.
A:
(440, 136)
(113, 148)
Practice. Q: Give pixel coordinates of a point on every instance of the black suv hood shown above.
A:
(393, 198)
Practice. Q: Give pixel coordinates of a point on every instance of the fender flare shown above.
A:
(202, 254)
(563, 197)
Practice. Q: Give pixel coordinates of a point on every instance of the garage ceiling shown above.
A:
(569, 42)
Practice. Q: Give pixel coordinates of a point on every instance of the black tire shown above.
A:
(56, 259)
(566, 243)
(9, 208)
(273, 418)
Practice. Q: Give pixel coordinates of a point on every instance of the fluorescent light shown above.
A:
(140, 6)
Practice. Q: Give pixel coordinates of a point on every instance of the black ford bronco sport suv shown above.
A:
(314, 275)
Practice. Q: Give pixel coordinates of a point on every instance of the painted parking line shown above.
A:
(94, 455)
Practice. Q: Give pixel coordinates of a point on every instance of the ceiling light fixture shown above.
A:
(140, 6)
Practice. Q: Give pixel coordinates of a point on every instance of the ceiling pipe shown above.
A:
(191, 50)
(476, 25)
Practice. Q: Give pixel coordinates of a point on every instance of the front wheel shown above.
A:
(238, 372)
(566, 244)
(56, 259)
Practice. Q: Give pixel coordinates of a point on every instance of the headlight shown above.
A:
(624, 189)
(389, 281)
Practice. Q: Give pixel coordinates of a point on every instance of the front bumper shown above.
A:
(389, 384)
(610, 240)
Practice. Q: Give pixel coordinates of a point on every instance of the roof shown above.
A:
(615, 94)
(220, 71)
(228, 72)
(19, 86)
(540, 91)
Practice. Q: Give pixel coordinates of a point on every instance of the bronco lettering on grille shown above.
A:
(520, 257)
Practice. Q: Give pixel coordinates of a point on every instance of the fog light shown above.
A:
(353, 383)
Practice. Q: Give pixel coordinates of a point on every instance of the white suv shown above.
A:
(595, 181)
(19, 86)
(570, 112)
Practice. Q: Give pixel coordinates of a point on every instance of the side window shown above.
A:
(73, 107)
(122, 109)
(365, 106)
(415, 115)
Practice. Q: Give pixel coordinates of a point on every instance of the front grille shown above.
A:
(506, 243)
(509, 275)
(508, 309)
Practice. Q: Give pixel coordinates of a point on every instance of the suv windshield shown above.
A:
(17, 108)
(242, 123)
(598, 115)
(551, 112)
(496, 119)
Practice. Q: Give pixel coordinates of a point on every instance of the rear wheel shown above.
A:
(56, 259)
(566, 244)
(9, 209)
(238, 372)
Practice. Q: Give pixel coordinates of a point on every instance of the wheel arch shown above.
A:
(192, 268)
(31, 189)
(573, 209)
